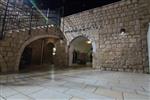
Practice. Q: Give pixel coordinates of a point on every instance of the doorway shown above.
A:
(26, 58)
(37, 56)
(80, 52)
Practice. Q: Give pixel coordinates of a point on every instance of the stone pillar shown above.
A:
(3, 65)
(148, 38)
(70, 55)
(60, 59)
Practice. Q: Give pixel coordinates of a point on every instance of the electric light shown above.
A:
(52, 25)
(88, 42)
(122, 31)
(54, 54)
(54, 49)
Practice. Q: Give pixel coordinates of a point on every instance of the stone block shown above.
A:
(5, 44)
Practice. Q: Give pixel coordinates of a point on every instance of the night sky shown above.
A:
(72, 6)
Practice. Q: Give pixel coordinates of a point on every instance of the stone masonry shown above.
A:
(102, 25)
(111, 49)
(14, 43)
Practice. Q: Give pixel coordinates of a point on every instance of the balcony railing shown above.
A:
(13, 17)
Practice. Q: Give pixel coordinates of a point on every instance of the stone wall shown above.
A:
(60, 59)
(102, 25)
(36, 51)
(14, 43)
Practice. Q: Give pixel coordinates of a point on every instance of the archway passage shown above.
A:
(80, 52)
(38, 55)
(48, 53)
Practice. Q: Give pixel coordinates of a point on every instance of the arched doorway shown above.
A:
(80, 52)
(38, 55)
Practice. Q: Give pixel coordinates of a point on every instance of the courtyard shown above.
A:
(75, 84)
(74, 49)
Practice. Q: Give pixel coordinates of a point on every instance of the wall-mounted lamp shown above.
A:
(54, 51)
(54, 54)
(122, 31)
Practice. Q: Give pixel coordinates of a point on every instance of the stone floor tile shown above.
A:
(76, 98)
(47, 94)
(27, 89)
(58, 88)
(132, 96)
(90, 88)
(76, 84)
(1, 98)
(6, 92)
(147, 87)
(123, 89)
(109, 93)
(51, 83)
(19, 97)
(146, 93)
(86, 95)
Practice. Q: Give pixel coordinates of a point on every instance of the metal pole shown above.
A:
(4, 21)
(30, 26)
(63, 18)
(47, 22)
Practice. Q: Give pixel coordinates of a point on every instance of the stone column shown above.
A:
(70, 51)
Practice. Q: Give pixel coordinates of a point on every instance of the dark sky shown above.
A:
(72, 6)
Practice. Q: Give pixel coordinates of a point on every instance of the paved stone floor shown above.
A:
(81, 84)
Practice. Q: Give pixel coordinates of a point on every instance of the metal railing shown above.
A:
(13, 17)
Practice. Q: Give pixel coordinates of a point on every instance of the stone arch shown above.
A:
(93, 46)
(89, 38)
(26, 43)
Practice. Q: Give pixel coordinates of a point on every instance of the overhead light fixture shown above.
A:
(88, 42)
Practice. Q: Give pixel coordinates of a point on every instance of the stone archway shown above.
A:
(26, 43)
(91, 46)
